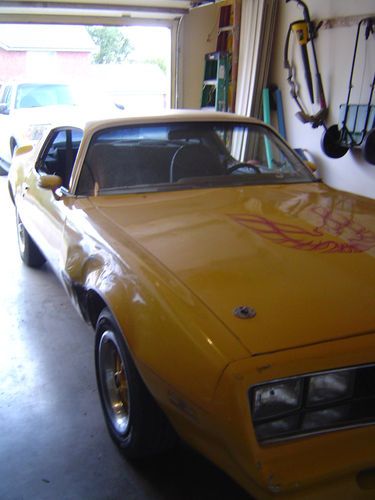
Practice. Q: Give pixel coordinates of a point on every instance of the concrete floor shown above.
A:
(53, 440)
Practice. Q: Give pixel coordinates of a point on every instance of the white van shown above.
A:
(26, 110)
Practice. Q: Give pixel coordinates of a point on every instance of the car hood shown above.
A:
(43, 114)
(302, 256)
(57, 114)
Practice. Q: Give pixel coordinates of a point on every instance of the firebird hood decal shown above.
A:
(316, 239)
(301, 255)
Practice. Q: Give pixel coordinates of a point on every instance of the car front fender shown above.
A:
(177, 344)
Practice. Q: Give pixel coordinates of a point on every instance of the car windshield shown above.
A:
(186, 155)
(30, 95)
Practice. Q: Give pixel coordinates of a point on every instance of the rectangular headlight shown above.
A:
(313, 403)
(327, 417)
(35, 131)
(271, 400)
(330, 387)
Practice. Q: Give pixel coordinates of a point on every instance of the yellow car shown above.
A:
(232, 294)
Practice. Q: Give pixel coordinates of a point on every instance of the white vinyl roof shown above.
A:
(91, 12)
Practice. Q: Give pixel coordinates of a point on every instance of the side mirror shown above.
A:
(308, 160)
(4, 109)
(311, 166)
(51, 182)
(22, 150)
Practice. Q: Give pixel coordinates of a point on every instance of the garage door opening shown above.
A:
(55, 73)
(127, 66)
(141, 82)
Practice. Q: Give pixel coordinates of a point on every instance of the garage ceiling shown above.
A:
(88, 12)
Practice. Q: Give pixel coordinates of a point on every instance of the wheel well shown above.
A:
(94, 306)
(90, 303)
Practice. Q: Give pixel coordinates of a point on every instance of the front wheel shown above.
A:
(30, 253)
(135, 422)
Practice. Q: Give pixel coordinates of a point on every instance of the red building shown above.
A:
(44, 52)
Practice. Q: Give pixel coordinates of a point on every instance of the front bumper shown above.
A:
(338, 463)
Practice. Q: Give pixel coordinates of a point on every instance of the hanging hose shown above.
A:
(306, 32)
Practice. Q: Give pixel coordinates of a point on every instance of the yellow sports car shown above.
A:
(232, 294)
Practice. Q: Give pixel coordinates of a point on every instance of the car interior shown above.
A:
(169, 156)
(59, 156)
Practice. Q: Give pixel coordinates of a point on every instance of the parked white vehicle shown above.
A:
(27, 109)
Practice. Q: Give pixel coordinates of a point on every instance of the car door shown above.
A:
(43, 211)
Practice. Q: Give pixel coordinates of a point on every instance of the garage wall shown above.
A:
(335, 48)
(198, 37)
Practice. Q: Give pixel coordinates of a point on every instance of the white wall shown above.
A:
(335, 49)
(198, 37)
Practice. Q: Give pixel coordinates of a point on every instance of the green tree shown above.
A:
(113, 46)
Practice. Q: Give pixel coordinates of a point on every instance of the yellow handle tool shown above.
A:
(300, 28)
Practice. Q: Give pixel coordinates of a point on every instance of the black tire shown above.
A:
(134, 420)
(30, 253)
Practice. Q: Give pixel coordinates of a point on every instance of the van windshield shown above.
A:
(30, 95)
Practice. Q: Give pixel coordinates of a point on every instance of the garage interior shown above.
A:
(54, 442)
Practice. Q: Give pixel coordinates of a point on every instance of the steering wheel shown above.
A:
(194, 160)
(179, 151)
(242, 164)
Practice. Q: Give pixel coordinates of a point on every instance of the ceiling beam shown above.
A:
(9, 6)
(124, 20)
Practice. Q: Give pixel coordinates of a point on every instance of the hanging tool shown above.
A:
(273, 99)
(318, 118)
(300, 28)
(358, 122)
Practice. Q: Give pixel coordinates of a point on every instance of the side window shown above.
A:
(59, 155)
(6, 96)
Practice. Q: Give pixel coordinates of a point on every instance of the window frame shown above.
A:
(48, 143)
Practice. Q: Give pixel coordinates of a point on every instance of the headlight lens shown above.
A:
(36, 131)
(32, 133)
(330, 387)
(277, 399)
(322, 418)
(313, 403)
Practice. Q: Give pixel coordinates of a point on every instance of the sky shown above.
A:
(149, 43)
